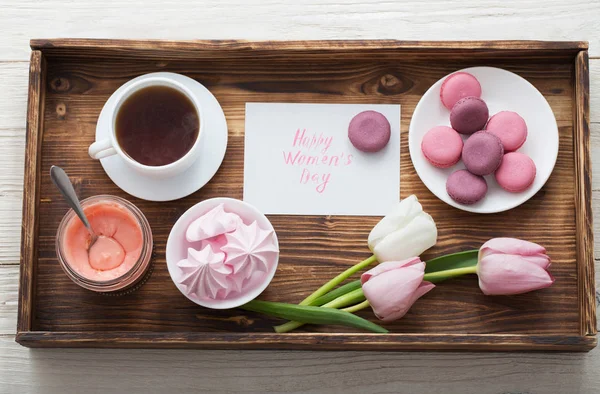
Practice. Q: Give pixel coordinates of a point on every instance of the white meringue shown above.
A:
(214, 222)
(249, 248)
(205, 274)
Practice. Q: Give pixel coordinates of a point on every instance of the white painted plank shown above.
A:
(297, 19)
(12, 153)
(144, 371)
(13, 115)
(595, 156)
(9, 287)
(14, 79)
(13, 109)
(595, 91)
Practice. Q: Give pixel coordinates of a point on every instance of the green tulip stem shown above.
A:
(288, 326)
(335, 293)
(327, 287)
(357, 307)
(447, 274)
(350, 298)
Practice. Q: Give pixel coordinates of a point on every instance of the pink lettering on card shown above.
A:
(298, 138)
(290, 157)
(314, 153)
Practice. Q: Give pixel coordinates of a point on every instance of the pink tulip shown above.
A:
(393, 287)
(512, 266)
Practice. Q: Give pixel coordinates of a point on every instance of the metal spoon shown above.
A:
(63, 183)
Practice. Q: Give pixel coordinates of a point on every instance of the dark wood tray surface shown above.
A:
(71, 80)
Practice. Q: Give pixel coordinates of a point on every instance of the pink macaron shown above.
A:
(442, 146)
(516, 172)
(369, 131)
(510, 127)
(457, 86)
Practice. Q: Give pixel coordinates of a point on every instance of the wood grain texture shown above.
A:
(313, 248)
(31, 182)
(13, 109)
(286, 50)
(304, 341)
(583, 195)
(298, 20)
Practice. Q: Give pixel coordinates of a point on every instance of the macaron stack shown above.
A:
(489, 147)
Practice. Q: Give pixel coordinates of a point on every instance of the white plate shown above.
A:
(177, 247)
(212, 150)
(502, 91)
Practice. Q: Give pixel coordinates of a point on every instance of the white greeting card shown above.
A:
(298, 160)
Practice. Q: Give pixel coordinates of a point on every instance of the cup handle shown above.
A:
(101, 149)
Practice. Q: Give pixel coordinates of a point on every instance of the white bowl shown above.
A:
(177, 246)
(502, 91)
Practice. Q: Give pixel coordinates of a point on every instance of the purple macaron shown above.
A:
(469, 115)
(369, 131)
(466, 188)
(482, 153)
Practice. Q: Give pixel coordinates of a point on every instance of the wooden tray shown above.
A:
(70, 80)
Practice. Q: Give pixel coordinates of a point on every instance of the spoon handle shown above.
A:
(63, 183)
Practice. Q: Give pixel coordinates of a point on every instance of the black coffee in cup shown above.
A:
(157, 125)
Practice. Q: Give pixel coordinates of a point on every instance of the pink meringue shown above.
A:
(216, 242)
(205, 274)
(214, 222)
(249, 249)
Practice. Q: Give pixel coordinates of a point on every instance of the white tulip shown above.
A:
(406, 232)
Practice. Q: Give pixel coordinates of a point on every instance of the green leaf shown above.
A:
(452, 261)
(455, 263)
(312, 315)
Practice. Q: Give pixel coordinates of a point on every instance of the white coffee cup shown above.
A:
(110, 146)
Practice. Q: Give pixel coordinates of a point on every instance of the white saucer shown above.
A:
(502, 91)
(212, 149)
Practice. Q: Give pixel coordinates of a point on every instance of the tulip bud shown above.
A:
(406, 232)
(393, 287)
(512, 266)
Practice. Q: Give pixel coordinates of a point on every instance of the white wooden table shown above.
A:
(61, 371)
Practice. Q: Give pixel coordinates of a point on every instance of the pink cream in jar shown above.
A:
(121, 255)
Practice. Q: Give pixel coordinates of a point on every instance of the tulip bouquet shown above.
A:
(505, 266)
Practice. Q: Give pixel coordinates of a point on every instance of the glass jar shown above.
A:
(125, 280)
